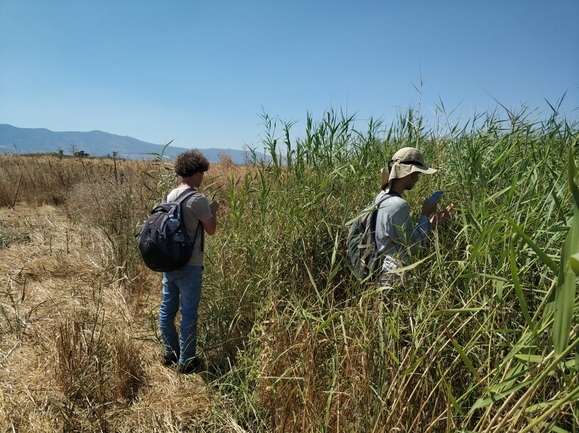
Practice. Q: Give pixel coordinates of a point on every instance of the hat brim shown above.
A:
(422, 169)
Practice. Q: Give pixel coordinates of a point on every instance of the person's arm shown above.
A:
(425, 225)
(420, 233)
(210, 225)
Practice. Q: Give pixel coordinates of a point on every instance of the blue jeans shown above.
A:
(183, 287)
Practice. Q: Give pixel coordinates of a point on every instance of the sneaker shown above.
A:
(171, 359)
(195, 366)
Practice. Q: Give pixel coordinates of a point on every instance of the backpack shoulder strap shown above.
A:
(386, 197)
(374, 217)
(372, 208)
(182, 197)
(373, 211)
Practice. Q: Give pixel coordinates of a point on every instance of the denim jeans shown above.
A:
(180, 288)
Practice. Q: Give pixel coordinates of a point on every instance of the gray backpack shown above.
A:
(361, 242)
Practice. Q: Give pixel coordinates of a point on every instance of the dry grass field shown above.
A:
(79, 348)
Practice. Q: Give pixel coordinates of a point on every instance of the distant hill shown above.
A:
(95, 143)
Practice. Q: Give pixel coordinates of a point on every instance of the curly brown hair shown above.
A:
(190, 162)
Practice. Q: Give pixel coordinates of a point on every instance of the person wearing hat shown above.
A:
(397, 239)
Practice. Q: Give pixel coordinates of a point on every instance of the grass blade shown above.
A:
(566, 286)
(518, 288)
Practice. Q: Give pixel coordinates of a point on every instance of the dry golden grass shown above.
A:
(78, 343)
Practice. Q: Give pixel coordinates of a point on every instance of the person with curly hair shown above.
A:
(182, 288)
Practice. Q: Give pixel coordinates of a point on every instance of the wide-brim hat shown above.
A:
(404, 162)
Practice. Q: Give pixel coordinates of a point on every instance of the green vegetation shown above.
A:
(483, 337)
(8, 235)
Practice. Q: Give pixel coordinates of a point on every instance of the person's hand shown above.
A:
(214, 206)
(428, 207)
(441, 216)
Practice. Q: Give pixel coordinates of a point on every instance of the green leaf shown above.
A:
(464, 357)
(572, 172)
(536, 359)
(452, 311)
(483, 402)
(574, 263)
(566, 287)
(518, 288)
(542, 255)
(563, 314)
(326, 322)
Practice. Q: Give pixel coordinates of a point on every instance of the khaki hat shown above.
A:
(407, 160)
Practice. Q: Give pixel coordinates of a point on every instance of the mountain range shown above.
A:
(97, 143)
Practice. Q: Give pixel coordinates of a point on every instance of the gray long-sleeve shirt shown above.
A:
(395, 232)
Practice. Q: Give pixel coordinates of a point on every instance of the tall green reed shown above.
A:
(459, 347)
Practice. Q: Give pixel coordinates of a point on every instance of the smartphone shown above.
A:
(435, 196)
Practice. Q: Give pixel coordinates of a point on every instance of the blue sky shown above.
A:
(202, 72)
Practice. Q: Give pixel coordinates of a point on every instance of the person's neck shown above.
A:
(186, 183)
(392, 192)
(398, 188)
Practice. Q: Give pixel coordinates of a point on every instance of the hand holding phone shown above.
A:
(441, 216)
(435, 196)
(431, 203)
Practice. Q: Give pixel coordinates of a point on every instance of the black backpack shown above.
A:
(164, 243)
(361, 242)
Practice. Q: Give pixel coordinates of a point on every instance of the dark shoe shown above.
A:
(195, 366)
(171, 359)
